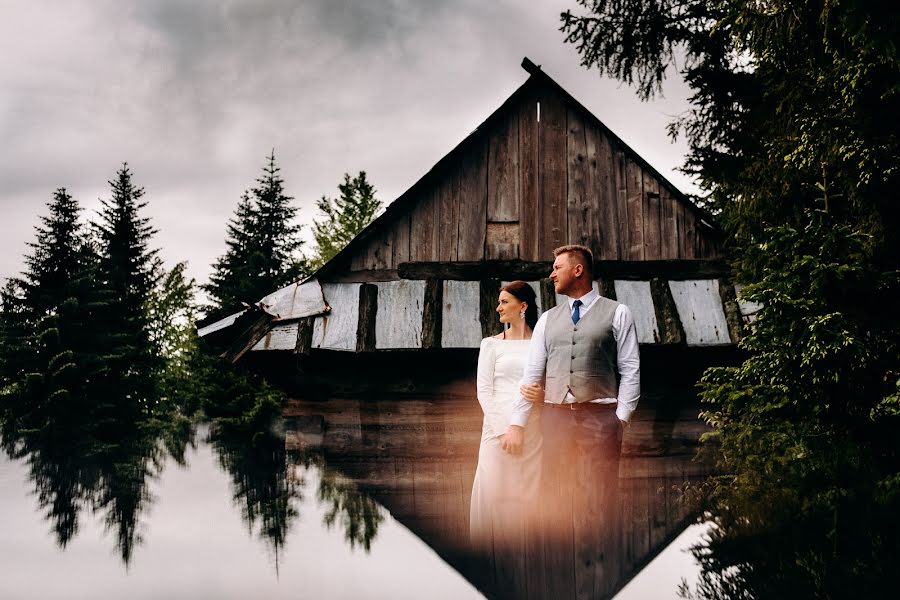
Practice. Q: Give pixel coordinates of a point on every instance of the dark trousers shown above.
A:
(579, 523)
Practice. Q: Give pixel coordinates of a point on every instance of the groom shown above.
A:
(586, 352)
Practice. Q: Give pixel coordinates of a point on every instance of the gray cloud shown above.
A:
(195, 94)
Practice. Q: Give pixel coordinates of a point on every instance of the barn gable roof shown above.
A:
(537, 77)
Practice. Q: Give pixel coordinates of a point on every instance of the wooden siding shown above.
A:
(543, 174)
(398, 323)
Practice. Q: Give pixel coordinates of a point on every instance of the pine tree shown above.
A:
(262, 246)
(127, 269)
(41, 314)
(345, 217)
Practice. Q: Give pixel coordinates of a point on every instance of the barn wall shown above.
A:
(542, 174)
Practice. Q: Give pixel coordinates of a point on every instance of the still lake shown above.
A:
(352, 499)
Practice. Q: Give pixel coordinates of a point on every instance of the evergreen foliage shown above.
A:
(793, 139)
(344, 217)
(128, 274)
(262, 247)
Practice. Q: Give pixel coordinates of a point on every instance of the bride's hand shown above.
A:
(532, 392)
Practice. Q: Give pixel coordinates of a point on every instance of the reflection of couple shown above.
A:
(579, 363)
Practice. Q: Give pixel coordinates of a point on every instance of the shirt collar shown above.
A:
(586, 300)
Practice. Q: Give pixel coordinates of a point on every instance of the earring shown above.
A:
(521, 314)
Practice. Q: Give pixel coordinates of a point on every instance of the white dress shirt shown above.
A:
(628, 360)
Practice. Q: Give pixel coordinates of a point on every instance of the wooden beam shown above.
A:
(548, 295)
(304, 335)
(607, 287)
(252, 325)
(432, 313)
(670, 328)
(368, 309)
(488, 292)
(643, 270)
(732, 310)
(364, 276)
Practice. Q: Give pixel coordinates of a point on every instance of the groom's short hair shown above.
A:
(581, 253)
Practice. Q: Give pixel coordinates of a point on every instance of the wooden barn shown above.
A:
(541, 171)
(388, 332)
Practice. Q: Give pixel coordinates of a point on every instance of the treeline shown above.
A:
(793, 137)
(102, 375)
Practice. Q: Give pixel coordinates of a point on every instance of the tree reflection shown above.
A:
(358, 514)
(78, 471)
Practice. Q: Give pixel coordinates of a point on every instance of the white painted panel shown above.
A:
(221, 324)
(700, 309)
(337, 329)
(460, 321)
(636, 296)
(398, 323)
(748, 309)
(280, 337)
(296, 300)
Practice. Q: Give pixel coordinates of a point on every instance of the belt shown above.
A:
(582, 406)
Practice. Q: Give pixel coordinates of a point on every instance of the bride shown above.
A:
(505, 490)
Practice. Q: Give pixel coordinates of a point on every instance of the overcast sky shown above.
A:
(195, 94)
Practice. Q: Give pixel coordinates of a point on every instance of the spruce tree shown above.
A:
(127, 269)
(43, 320)
(262, 246)
(345, 216)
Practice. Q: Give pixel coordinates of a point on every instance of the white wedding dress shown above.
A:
(505, 490)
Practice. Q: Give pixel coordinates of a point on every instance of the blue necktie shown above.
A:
(576, 314)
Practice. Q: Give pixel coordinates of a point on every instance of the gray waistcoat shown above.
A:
(581, 358)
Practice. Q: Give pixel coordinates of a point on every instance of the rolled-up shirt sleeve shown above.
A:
(535, 367)
(629, 363)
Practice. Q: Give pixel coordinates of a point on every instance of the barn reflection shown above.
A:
(417, 456)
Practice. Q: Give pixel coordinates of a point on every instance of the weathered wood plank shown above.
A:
(669, 224)
(621, 189)
(691, 244)
(503, 172)
(634, 206)
(366, 276)
(432, 313)
(678, 210)
(488, 291)
(461, 318)
(400, 245)
(400, 308)
(553, 226)
(652, 212)
(423, 243)
(670, 328)
(700, 310)
(295, 300)
(580, 204)
(252, 325)
(530, 271)
(305, 326)
(601, 186)
(281, 336)
(368, 312)
(337, 329)
(529, 201)
(502, 241)
(636, 296)
(448, 231)
(473, 202)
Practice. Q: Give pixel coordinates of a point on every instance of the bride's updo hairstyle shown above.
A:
(524, 293)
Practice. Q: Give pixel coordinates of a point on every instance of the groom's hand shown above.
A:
(532, 392)
(513, 439)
